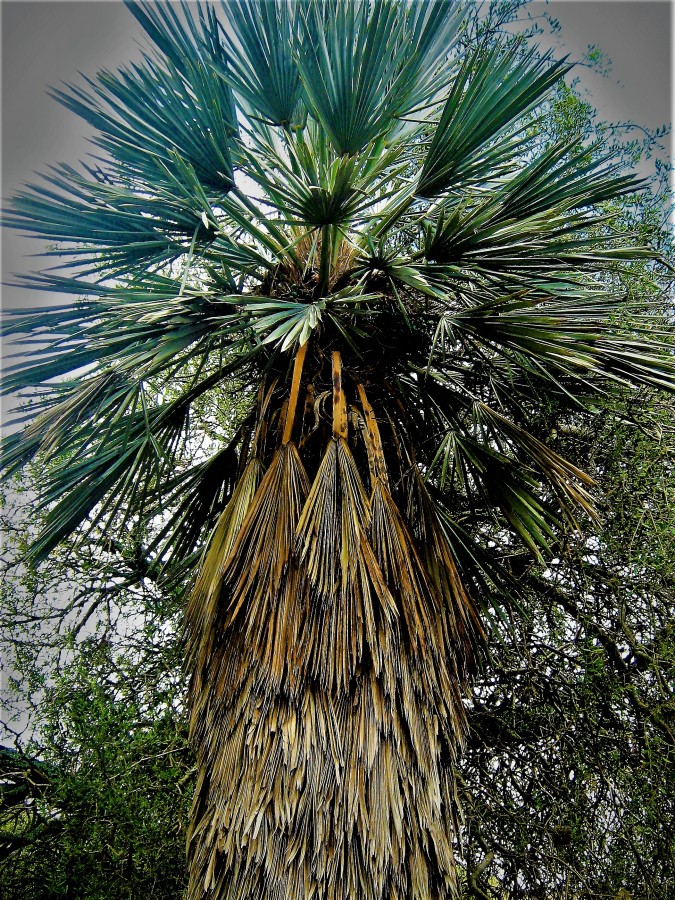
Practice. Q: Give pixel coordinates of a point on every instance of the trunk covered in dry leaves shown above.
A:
(330, 641)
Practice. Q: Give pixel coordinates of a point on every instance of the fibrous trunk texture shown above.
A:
(330, 641)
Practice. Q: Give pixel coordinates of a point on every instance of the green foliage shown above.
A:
(570, 775)
(109, 819)
(97, 780)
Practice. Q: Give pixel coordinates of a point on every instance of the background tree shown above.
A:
(103, 813)
(568, 777)
(96, 774)
(418, 277)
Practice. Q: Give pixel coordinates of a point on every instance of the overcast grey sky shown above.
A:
(636, 35)
(45, 42)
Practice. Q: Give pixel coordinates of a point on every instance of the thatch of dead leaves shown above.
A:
(336, 646)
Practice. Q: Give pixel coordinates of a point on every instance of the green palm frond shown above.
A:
(492, 480)
(352, 61)
(180, 36)
(493, 90)
(259, 64)
(285, 323)
(575, 338)
(146, 112)
(111, 227)
(568, 482)
(153, 332)
(530, 222)
(332, 200)
(85, 486)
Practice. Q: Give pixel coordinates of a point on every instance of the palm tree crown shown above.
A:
(329, 208)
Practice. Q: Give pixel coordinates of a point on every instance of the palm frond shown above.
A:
(353, 603)
(568, 482)
(195, 497)
(137, 328)
(348, 59)
(357, 69)
(493, 90)
(490, 481)
(85, 485)
(112, 229)
(571, 337)
(442, 564)
(203, 609)
(254, 568)
(146, 124)
(260, 65)
(538, 220)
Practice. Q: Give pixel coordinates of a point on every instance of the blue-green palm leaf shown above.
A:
(171, 103)
(357, 69)
(478, 131)
(259, 63)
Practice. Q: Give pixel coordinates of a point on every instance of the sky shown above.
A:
(637, 36)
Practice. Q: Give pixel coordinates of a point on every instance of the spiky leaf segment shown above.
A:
(356, 220)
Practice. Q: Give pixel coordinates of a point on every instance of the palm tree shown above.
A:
(329, 211)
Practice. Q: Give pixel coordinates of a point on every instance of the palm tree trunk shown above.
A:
(330, 649)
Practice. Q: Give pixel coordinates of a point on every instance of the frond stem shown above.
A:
(295, 389)
(325, 261)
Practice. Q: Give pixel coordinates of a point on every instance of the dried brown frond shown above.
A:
(260, 555)
(350, 602)
(463, 619)
(307, 251)
(312, 797)
(328, 715)
(203, 609)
